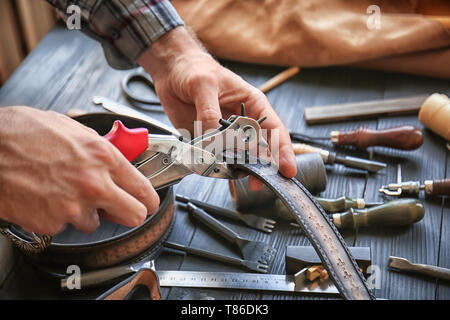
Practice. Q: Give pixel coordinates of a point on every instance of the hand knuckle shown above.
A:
(92, 187)
(143, 188)
(202, 79)
(209, 115)
(154, 205)
(52, 229)
(100, 149)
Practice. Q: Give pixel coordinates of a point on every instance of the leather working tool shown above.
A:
(325, 238)
(218, 280)
(118, 108)
(405, 137)
(154, 104)
(402, 264)
(431, 187)
(153, 279)
(322, 234)
(251, 220)
(329, 205)
(344, 203)
(330, 157)
(402, 212)
(300, 257)
(248, 264)
(166, 158)
(396, 213)
(110, 244)
(363, 110)
(255, 251)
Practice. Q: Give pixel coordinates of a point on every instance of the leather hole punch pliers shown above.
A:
(166, 159)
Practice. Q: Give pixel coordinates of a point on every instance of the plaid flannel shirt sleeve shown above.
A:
(125, 28)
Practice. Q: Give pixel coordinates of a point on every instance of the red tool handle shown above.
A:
(404, 138)
(130, 142)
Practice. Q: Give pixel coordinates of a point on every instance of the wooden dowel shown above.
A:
(278, 79)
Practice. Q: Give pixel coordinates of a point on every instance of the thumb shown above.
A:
(207, 107)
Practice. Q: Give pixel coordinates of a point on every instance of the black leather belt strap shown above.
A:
(322, 234)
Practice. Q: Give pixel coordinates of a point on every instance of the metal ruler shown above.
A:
(243, 281)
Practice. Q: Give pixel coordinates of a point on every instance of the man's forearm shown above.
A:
(175, 45)
(125, 28)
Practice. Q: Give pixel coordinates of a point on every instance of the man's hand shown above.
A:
(55, 171)
(193, 86)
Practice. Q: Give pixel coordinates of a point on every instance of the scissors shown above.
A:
(140, 75)
(167, 159)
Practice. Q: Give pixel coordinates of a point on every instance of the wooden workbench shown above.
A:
(67, 69)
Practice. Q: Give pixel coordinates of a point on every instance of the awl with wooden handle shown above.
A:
(405, 137)
(431, 187)
(330, 157)
(344, 203)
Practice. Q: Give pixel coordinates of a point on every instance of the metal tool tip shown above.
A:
(260, 121)
(398, 263)
(243, 113)
(224, 123)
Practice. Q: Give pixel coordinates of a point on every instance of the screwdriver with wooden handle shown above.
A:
(330, 157)
(405, 137)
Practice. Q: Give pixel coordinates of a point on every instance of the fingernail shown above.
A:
(288, 164)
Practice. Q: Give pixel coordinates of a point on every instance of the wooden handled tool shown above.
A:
(344, 203)
(402, 212)
(405, 137)
(363, 110)
(278, 79)
(330, 157)
(431, 187)
(403, 264)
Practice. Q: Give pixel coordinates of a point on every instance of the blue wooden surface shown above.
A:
(67, 69)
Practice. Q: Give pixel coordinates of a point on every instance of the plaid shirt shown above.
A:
(125, 28)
